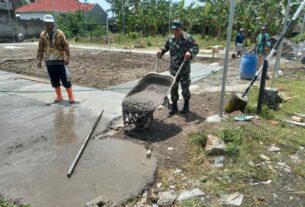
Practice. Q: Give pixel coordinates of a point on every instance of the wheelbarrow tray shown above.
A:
(145, 97)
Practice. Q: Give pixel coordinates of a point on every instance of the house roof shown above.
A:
(55, 5)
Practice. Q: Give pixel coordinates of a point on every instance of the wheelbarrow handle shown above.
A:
(157, 63)
(180, 68)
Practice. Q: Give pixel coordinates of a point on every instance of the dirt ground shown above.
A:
(169, 140)
(92, 68)
(168, 136)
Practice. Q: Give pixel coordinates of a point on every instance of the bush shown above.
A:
(199, 138)
(99, 31)
(149, 44)
(299, 38)
(267, 113)
(121, 38)
(133, 35)
(232, 138)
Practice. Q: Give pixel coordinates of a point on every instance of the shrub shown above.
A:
(133, 35)
(199, 138)
(99, 31)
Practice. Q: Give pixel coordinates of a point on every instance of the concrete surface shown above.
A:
(199, 71)
(39, 141)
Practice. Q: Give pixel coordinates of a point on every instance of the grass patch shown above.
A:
(153, 42)
(246, 142)
(199, 138)
(7, 203)
(232, 138)
(192, 202)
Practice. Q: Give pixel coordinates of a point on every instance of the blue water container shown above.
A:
(248, 66)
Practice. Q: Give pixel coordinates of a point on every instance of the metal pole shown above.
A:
(169, 16)
(225, 69)
(54, 11)
(86, 19)
(279, 52)
(123, 23)
(302, 30)
(262, 88)
(277, 44)
(9, 15)
(107, 32)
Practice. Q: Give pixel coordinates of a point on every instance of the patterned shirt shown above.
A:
(53, 48)
(177, 49)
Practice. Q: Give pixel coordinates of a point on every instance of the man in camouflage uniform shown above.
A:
(54, 49)
(181, 46)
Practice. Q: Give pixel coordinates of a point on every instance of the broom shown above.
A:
(239, 101)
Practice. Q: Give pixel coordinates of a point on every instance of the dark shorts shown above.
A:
(59, 73)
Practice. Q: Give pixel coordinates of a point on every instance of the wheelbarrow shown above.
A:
(151, 91)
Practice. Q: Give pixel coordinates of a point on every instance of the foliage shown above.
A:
(72, 24)
(299, 38)
(6, 203)
(77, 24)
(19, 3)
(199, 138)
(99, 31)
(206, 17)
(232, 138)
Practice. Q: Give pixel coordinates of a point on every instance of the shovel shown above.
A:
(239, 101)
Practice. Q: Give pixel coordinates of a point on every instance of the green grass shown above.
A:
(151, 42)
(192, 202)
(6, 203)
(246, 142)
(199, 138)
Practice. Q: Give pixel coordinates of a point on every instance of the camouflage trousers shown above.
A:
(185, 82)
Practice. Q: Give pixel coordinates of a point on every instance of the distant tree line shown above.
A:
(209, 18)
(151, 17)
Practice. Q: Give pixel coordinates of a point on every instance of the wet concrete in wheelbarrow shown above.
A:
(39, 142)
(146, 96)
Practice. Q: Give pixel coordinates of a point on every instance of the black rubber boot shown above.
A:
(174, 109)
(186, 107)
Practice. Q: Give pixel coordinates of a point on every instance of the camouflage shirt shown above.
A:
(53, 48)
(177, 49)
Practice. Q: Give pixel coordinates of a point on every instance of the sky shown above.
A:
(106, 6)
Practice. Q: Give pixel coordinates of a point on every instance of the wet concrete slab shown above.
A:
(199, 71)
(90, 100)
(39, 141)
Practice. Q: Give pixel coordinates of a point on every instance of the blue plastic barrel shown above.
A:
(248, 66)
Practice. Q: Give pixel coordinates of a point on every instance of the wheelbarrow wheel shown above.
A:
(145, 122)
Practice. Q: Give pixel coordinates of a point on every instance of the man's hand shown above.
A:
(187, 56)
(159, 53)
(39, 64)
(67, 62)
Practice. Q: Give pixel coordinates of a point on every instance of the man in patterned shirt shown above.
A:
(181, 46)
(54, 49)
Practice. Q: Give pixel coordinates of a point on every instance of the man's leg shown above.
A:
(55, 81)
(174, 97)
(66, 82)
(186, 93)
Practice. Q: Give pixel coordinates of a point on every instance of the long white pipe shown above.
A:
(279, 53)
(225, 70)
(107, 31)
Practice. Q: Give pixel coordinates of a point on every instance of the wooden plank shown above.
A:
(295, 123)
